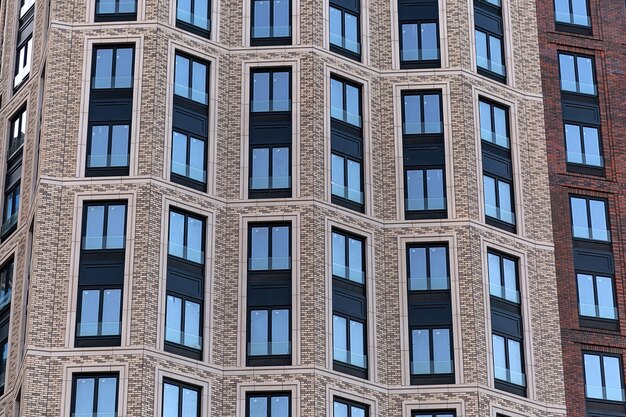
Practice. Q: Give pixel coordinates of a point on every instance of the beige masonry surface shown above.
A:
(54, 187)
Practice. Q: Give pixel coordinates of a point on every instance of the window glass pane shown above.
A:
(415, 190)
(170, 400)
(280, 168)
(495, 278)
(352, 32)
(515, 363)
(111, 310)
(568, 75)
(124, 68)
(491, 207)
(339, 255)
(613, 379)
(593, 376)
(192, 325)
(196, 160)
(579, 217)
(357, 339)
(499, 358)
(338, 176)
(281, 91)
(598, 220)
(501, 138)
(173, 319)
(353, 108)
(261, 25)
(421, 352)
(355, 248)
(585, 75)
(441, 351)
(198, 88)
(282, 18)
(201, 14)
(434, 186)
(181, 76)
(510, 280)
(438, 268)
(335, 27)
(90, 304)
(115, 226)
(562, 11)
(486, 132)
(573, 144)
(259, 332)
(107, 390)
(412, 115)
(417, 269)
(354, 181)
(336, 99)
(183, 11)
(340, 409)
(280, 248)
(95, 228)
(194, 240)
(586, 300)
(261, 91)
(495, 48)
(99, 147)
(280, 406)
(430, 50)
(506, 209)
(106, 6)
(83, 400)
(409, 42)
(260, 168)
(190, 403)
(592, 147)
(357, 412)
(177, 233)
(606, 305)
(104, 67)
(432, 114)
(258, 407)
(579, 11)
(340, 343)
(280, 332)
(481, 50)
(179, 154)
(119, 146)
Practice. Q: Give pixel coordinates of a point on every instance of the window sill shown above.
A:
(491, 75)
(426, 64)
(269, 360)
(181, 350)
(348, 204)
(205, 33)
(285, 41)
(349, 369)
(425, 214)
(270, 193)
(107, 172)
(510, 388)
(598, 323)
(346, 53)
(586, 169)
(508, 227)
(433, 379)
(187, 182)
(97, 341)
(573, 29)
(117, 17)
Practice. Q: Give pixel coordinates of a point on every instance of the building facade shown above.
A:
(276, 208)
(582, 57)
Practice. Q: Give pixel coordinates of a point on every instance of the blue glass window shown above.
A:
(271, 21)
(589, 219)
(577, 74)
(603, 377)
(572, 12)
(180, 400)
(583, 145)
(344, 29)
(194, 15)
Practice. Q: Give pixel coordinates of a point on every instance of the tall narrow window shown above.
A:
(603, 377)
(274, 404)
(24, 47)
(349, 304)
(506, 323)
(115, 10)
(270, 133)
(269, 295)
(419, 33)
(577, 74)
(424, 155)
(110, 111)
(94, 395)
(13, 176)
(345, 28)
(185, 284)
(589, 219)
(489, 36)
(6, 283)
(190, 122)
(101, 275)
(346, 144)
(271, 22)
(194, 16)
(497, 165)
(430, 315)
(572, 16)
(345, 408)
(180, 399)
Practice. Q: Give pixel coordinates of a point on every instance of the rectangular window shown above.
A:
(4, 355)
(572, 12)
(101, 276)
(489, 36)
(275, 404)
(428, 268)
(269, 295)
(110, 111)
(603, 377)
(194, 16)
(507, 359)
(431, 350)
(116, 10)
(185, 284)
(346, 144)
(596, 296)
(17, 133)
(94, 395)
(422, 413)
(348, 254)
(345, 408)
(424, 156)
(271, 22)
(419, 34)
(24, 47)
(349, 341)
(345, 30)
(270, 133)
(577, 74)
(190, 122)
(6, 284)
(494, 123)
(498, 199)
(180, 400)
(583, 145)
(503, 282)
(589, 219)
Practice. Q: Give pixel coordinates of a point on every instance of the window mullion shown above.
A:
(96, 394)
(269, 331)
(270, 253)
(188, 156)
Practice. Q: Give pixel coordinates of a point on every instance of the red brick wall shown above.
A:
(608, 46)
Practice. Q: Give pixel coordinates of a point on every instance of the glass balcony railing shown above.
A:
(276, 31)
(347, 193)
(596, 311)
(423, 204)
(341, 114)
(604, 393)
(431, 367)
(270, 105)
(351, 274)
(489, 65)
(103, 328)
(422, 128)
(349, 357)
(509, 376)
(578, 87)
(268, 264)
(572, 18)
(429, 283)
(592, 234)
(509, 294)
(420, 54)
(270, 183)
(500, 214)
(191, 340)
(269, 348)
(585, 159)
(495, 138)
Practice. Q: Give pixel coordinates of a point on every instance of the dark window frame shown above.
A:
(502, 256)
(348, 235)
(577, 55)
(96, 377)
(355, 13)
(503, 384)
(269, 226)
(24, 36)
(190, 27)
(19, 120)
(187, 215)
(582, 167)
(344, 81)
(181, 385)
(268, 395)
(601, 355)
(350, 404)
(105, 223)
(270, 40)
(94, 63)
(495, 13)
(427, 246)
(271, 71)
(597, 321)
(493, 104)
(574, 27)
(116, 16)
(436, 377)
(420, 63)
(607, 217)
